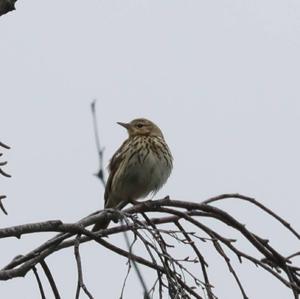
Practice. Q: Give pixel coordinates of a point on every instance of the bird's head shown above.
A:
(143, 127)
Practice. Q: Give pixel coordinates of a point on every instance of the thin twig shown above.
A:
(1, 204)
(50, 279)
(148, 248)
(172, 211)
(165, 258)
(258, 204)
(80, 283)
(4, 145)
(100, 174)
(136, 268)
(39, 282)
(293, 255)
(231, 269)
(125, 279)
(203, 263)
(4, 173)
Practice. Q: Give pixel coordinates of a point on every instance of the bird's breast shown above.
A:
(144, 171)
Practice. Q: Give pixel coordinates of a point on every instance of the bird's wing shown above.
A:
(113, 167)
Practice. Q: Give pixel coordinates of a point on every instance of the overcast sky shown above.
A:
(221, 79)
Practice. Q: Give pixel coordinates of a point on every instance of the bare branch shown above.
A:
(1, 204)
(255, 202)
(231, 269)
(2, 172)
(80, 283)
(136, 268)
(203, 263)
(39, 282)
(125, 279)
(1, 143)
(50, 279)
(173, 274)
(101, 173)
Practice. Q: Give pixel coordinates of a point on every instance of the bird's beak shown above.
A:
(125, 125)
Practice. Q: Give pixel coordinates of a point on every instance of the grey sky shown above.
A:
(221, 78)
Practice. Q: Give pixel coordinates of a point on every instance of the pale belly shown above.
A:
(142, 176)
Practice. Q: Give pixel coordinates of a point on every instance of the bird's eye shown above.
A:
(139, 125)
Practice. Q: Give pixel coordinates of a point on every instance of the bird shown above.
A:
(141, 166)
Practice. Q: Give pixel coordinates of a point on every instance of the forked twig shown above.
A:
(80, 283)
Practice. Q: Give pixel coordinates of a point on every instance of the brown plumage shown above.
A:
(140, 166)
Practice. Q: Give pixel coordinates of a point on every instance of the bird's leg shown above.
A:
(166, 199)
(115, 214)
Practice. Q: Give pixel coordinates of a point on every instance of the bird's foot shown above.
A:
(115, 215)
(167, 199)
